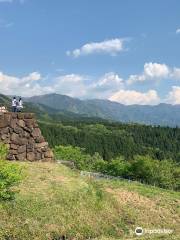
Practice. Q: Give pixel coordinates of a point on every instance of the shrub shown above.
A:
(164, 173)
(75, 154)
(3, 151)
(10, 175)
(155, 172)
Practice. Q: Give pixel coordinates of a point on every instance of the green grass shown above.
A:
(54, 201)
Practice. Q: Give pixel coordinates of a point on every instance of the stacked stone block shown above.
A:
(21, 133)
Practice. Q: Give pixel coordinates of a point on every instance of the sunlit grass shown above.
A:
(54, 201)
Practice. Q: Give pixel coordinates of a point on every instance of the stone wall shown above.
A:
(21, 133)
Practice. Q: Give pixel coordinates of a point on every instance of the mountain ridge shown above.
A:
(161, 114)
(56, 104)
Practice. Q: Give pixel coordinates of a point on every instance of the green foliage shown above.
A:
(3, 151)
(151, 171)
(76, 154)
(111, 140)
(164, 173)
(10, 175)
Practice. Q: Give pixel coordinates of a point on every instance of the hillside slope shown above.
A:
(54, 201)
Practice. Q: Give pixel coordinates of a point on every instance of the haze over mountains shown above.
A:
(54, 104)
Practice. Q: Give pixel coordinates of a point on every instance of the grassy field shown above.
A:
(54, 201)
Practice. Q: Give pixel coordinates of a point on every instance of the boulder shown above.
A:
(41, 145)
(4, 121)
(22, 149)
(31, 156)
(29, 122)
(21, 157)
(13, 123)
(36, 132)
(28, 115)
(21, 123)
(11, 157)
(14, 146)
(39, 139)
(48, 154)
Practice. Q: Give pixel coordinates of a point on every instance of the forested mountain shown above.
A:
(162, 114)
(58, 107)
(115, 139)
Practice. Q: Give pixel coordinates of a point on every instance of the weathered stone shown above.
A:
(13, 123)
(10, 157)
(30, 148)
(29, 130)
(14, 138)
(48, 154)
(14, 115)
(44, 149)
(7, 141)
(41, 145)
(30, 122)
(21, 123)
(38, 156)
(14, 146)
(20, 131)
(21, 157)
(20, 115)
(5, 130)
(28, 115)
(39, 139)
(7, 118)
(26, 135)
(36, 132)
(13, 151)
(31, 141)
(18, 140)
(31, 156)
(22, 149)
(4, 136)
(4, 121)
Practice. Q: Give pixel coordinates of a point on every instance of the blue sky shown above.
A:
(123, 50)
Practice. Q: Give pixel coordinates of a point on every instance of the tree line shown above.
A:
(111, 139)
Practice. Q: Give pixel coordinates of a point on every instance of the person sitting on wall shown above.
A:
(19, 105)
(14, 104)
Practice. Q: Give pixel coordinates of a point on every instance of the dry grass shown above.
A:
(54, 201)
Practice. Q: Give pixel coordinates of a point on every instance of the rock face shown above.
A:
(21, 133)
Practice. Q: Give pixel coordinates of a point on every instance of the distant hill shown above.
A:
(49, 113)
(162, 114)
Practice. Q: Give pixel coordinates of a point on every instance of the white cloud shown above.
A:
(109, 86)
(175, 73)
(178, 31)
(71, 84)
(111, 47)
(153, 71)
(105, 86)
(129, 97)
(25, 86)
(173, 96)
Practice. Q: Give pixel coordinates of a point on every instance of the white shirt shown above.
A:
(14, 102)
(20, 105)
